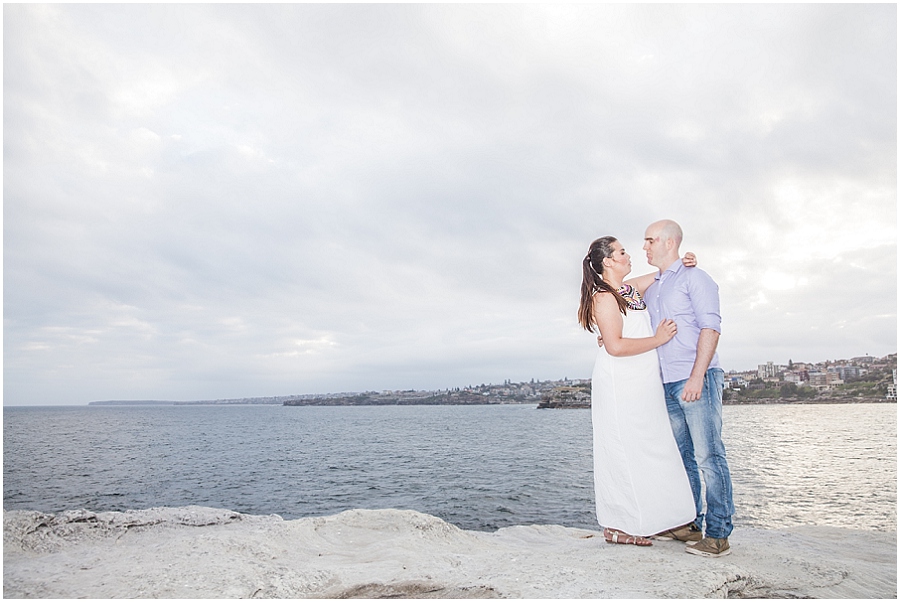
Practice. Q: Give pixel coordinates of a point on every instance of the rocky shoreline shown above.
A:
(561, 402)
(196, 552)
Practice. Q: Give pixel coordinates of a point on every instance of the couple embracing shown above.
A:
(656, 396)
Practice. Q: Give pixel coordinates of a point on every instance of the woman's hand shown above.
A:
(689, 260)
(665, 331)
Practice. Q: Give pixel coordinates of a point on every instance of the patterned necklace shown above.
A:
(632, 298)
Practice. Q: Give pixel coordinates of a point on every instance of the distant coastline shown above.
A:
(507, 393)
(548, 402)
(132, 402)
(557, 405)
(859, 380)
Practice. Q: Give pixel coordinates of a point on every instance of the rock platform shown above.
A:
(197, 552)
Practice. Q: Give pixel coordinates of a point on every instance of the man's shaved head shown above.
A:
(666, 229)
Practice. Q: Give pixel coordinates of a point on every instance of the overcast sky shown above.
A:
(217, 201)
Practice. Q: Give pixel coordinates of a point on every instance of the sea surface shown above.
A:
(478, 467)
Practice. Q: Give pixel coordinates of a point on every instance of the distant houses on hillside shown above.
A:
(860, 377)
(506, 393)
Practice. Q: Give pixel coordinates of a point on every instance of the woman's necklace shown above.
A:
(632, 298)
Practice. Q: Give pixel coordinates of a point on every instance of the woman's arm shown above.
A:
(642, 283)
(609, 321)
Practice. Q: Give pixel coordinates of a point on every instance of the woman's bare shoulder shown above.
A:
(605, 300)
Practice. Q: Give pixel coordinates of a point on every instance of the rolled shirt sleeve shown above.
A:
(704, 297)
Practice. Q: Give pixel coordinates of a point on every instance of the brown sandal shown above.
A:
(613, 536)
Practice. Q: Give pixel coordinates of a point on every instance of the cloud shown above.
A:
(227, 200)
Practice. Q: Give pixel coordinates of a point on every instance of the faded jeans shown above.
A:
(697, 426)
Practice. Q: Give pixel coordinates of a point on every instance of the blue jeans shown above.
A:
(697, 426)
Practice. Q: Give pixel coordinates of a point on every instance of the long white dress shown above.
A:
(640, 483)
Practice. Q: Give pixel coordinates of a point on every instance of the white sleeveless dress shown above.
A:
(640, 483)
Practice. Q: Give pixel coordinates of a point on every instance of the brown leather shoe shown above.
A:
(710, 547)
(686, 532)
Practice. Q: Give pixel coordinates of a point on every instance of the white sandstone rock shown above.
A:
(199, 552)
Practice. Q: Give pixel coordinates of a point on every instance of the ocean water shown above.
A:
(478, 467)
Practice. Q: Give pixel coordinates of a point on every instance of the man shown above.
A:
(693, 382)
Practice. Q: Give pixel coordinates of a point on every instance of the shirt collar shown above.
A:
(676, 267)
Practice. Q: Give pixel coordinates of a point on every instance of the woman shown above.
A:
(640, 484)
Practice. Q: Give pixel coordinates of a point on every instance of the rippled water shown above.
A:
(479, 467)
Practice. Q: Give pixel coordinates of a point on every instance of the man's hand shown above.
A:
(706, 349)
(689, 260)
(693, 389)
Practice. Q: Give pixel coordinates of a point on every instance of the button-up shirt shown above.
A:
(691, 298)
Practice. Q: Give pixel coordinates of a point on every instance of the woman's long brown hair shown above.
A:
(592, 281)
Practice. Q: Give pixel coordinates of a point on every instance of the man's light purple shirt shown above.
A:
(691, 298)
